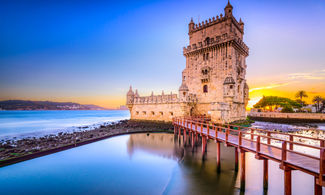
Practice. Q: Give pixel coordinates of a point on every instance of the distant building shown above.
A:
(123, 107)
(213, 81)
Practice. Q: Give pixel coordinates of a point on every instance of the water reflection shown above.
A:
(144, 164)
(197, 171)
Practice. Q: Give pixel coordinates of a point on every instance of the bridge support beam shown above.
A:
(204, 145)
(192, 139)
(236, 160)
(287, 181)
(265, 174)
(317, 188)
(218, 157)
(242, 171)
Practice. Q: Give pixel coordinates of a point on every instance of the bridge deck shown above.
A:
(294, 159)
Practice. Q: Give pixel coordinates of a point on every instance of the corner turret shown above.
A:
(228, 10)
(241, 24)
(130, 96)
(191, 26)
(183, 92)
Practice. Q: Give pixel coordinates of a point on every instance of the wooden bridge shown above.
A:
(266, 145)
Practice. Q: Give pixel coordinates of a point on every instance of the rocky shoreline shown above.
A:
(13, 151)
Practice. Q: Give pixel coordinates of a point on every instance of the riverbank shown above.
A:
(13, 151)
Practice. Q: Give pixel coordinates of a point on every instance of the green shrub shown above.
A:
(287, 109)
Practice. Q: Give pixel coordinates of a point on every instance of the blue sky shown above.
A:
(91, 51)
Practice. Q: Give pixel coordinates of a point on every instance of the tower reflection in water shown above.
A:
(198, 171)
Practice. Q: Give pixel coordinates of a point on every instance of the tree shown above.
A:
(270, 101)
(323, 105)
(287, 109)
(301, 102)
(317, 100)
(301, 94)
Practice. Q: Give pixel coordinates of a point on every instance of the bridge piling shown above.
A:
(317, 188)
(218, 157)
(236, 160)
(287, 181)
(265, 174)
(242, 171)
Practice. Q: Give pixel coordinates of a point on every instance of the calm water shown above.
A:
(37, 123)
(142, 164)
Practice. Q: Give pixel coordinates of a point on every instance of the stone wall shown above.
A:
(287, 117)
(162, 112)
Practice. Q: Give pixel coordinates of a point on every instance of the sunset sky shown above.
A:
(91, 51)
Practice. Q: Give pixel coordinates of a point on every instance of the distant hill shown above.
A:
(45, 105)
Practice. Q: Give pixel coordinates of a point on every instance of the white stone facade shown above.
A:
(213, 81)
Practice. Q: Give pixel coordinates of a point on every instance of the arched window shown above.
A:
(207, 40)
(205, 89)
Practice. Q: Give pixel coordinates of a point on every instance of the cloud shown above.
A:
(270, 86)
(319, 75)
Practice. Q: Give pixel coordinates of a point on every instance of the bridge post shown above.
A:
(287, 170)
(258, 145)
(268, 139)
(252, 132)
(218, 157)
(208, 129)
(284, 153)
(216, 131)
(321, 166)
(227, 134)
(291, 140)
(242, 171)
(265, 174)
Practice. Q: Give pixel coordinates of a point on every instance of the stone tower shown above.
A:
(213, 81)
(216, 67)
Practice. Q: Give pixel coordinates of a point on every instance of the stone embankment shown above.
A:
(13, 151)
(288, 117)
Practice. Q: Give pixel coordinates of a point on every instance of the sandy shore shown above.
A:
(13, 151)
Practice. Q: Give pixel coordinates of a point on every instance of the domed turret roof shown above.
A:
(130, 92)
(229, 5)
(229, 80)
(183, 87)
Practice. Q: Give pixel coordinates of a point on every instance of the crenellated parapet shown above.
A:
(215, 42)
(159, 99)
(207, 23)
(156, 99)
